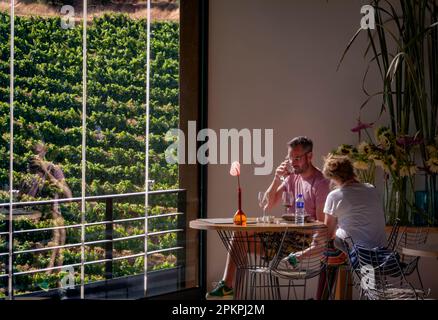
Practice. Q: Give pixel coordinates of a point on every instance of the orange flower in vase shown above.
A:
(239, 216)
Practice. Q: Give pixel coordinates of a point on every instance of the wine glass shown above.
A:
(287, 199)
(263, 201)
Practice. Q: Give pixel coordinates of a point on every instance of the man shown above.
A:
(49, 181)
(296, 175)
(304, 179)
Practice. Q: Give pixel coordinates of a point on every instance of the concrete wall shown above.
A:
(272, 64)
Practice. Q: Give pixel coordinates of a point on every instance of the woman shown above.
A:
(353, 209)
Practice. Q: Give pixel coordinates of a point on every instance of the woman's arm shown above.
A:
(331, 222)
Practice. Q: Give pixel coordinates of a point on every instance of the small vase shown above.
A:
(240, 216)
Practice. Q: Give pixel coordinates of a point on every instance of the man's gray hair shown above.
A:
(305, 142)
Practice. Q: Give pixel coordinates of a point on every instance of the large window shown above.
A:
(89, 207)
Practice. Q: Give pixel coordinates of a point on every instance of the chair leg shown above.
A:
(251, 287)
(291, 285)
(288, 290)
(323, 284)
(277, 282)
(348, 286)
(360, 294)
(275, 287)
(343, 291)
(332, 276)
(419, 279)
(305, 286)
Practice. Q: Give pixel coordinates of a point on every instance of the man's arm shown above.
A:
(320, 237)
(274, 192)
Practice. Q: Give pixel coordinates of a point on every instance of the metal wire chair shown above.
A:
(411, 238)
(333, 271)
(313, 261)
(378, 274)
(252, 252)
(393, 235)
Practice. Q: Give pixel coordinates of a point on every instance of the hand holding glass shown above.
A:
(288, 169)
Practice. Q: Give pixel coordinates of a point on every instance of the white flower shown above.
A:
(384, 137)
(360, 165)
(364, 148)
(345, 149)
(392, 162)
(377, 160)
(407, 171)
(432, 150)
(385, 143)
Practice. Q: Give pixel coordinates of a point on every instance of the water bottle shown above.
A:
(299, 209)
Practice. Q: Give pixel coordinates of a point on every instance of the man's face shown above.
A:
(300, 159)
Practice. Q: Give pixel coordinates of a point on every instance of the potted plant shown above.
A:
(404, 47)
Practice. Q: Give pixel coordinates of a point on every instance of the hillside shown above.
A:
(136, 9)
(48, 88)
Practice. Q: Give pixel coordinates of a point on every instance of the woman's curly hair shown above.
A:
(338, 167)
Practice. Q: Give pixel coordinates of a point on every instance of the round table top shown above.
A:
(427, 251)
(278, 225)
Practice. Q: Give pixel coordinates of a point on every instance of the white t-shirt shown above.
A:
(359, 211)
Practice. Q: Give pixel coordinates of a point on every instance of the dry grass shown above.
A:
(160, 10)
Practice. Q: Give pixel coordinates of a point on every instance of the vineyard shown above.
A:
(48, 109)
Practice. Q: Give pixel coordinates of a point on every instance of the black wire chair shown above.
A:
(393, 235)
(378, 274)
(333, 271)
(411, 238)
(252, 253)
(313, 242)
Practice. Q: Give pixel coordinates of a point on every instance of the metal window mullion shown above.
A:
(11, 154)
(157, 233)
(137, 236)
(94, 261)
(91, 224)
(89, 198)
(115, 259)
(129, 257)
(165, 215)
(83, 145)
(146, 200)
(45, 269)
(115, 240)
(76, 264)
(165, 250)
(48, 248)
(48, 229)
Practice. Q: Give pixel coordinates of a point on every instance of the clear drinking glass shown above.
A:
(263, 201)
(288, 200)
